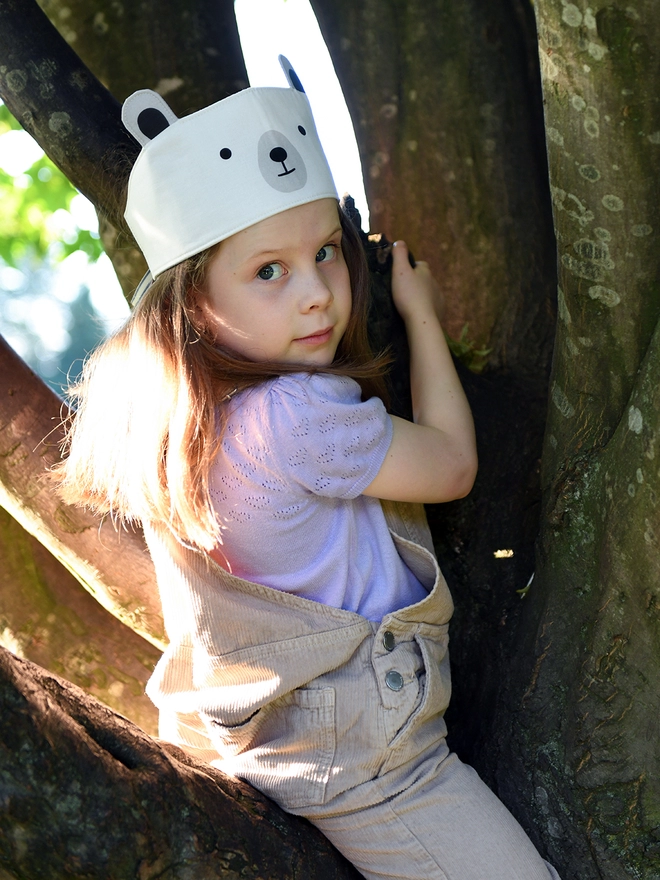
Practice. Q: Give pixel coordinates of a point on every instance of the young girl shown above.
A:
(234, 416)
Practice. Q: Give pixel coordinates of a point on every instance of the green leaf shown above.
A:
(7, 121)
(466, 351)
(29, 227)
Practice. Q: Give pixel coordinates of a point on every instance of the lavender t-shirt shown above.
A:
(296, 455)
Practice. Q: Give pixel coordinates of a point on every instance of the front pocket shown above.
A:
(285, 749)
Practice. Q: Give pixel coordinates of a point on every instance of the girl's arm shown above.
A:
(434, 458)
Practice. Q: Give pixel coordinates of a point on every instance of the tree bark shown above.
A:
(445, 100)
(86, 794)
(583, 711)
(191, 55)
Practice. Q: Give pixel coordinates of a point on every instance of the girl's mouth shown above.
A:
(319, 338)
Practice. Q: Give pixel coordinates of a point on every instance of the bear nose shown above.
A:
(278, 154)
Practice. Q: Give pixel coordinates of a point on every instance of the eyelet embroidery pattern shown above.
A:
(327, 455)
(219, 496)
(288, 512)
(257, 502)
(246, 468)
(232, 483)
(301, 429)
(328, 423)
(240, 516)
(298, 458)
(274, 485)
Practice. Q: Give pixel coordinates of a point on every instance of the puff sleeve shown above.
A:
(323, 437)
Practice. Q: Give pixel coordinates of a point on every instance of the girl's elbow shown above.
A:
(464, 479)
(464, 489)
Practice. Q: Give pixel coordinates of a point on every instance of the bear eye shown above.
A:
(301, 130)
(225, 153)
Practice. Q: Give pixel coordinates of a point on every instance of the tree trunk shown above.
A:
(579, 727)
(445, 100)
(86, 794)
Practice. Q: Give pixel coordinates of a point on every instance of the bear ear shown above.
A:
(290, 74)
(145, 114)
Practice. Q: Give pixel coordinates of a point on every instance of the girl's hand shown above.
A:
(413, 290)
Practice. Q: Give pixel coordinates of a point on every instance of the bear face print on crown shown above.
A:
(201, 178)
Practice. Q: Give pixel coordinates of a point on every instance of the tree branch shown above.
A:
(72, 116)
(112, 802)
(112, 565)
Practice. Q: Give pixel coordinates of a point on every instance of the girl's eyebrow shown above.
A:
(273, 252)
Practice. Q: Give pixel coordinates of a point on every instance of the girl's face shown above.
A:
(280, 290)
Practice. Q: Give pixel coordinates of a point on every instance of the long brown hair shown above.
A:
(149, 417)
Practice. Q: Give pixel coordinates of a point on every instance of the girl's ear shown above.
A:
(145, 114)
(290, 74)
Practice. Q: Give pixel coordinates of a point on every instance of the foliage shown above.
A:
(467, 352)
(30, 226)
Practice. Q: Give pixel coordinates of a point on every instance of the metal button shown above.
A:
(394, 680)
(388, 640)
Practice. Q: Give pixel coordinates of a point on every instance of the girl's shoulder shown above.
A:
(312, 405)
(301, 390)
(316, 386)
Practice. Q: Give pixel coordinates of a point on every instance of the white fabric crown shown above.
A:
(204, 177)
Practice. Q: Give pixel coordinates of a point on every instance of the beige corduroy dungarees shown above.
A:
(334, 717)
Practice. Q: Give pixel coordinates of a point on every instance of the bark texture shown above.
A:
(86, 794)
(191, 55)
(584, 713)
(445, 100)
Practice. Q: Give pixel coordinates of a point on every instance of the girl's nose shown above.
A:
(315, 293)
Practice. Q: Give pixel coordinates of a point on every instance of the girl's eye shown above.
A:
(271, 272)
(327, 252)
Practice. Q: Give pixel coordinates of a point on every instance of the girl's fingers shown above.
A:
(400, 247)
(400, 255)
